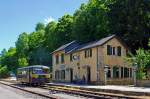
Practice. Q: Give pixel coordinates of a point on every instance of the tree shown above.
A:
(4, 72)
(149, 43)
(22, 45)
(91, 21)
(50, 36)
(36, 39)
(142, 58)
(22, 62)
(63, 30)
(38, 53)
(130, 20)
(39, 26)
(40, 56)
(3, 52)
(9, 59)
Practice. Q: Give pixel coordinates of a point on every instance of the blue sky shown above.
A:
(17, 16)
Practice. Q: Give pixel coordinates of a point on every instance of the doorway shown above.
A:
(71, 75)
(88, 75)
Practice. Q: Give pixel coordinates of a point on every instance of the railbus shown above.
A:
(37, 74)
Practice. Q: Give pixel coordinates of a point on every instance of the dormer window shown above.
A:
(88, 53)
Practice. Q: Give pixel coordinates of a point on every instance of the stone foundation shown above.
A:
(143, 83)
(127, 81)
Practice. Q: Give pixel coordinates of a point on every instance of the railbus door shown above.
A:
(30, 75)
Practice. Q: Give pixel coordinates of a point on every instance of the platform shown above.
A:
(128, 90)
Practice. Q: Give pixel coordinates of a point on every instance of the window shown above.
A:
(62, 58)
(119, 50)
(46, 71)
(121, 72)
(85, 53)
(63, 74)
(109, 50)
(115, 72)
(131, 72)
(57, 59)
(57, 75)
(114, 51)
(88, 53)
(40, 71)
(71, 57)
(109, 73)
(19, 72)
(126, 72)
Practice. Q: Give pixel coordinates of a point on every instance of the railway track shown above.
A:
(81, 92)
(28, 91)
(92, 94)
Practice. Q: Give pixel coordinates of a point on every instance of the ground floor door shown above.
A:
(71, 75)
(88, 75)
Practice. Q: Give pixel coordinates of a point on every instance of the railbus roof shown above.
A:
(35, 66)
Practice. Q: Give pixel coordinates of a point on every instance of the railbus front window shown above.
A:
(40, 71)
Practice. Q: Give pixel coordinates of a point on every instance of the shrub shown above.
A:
(4, 72)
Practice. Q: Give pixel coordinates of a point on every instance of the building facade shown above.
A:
(85, 63)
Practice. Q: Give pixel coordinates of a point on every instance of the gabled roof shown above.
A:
(96, 43)
(75, 46)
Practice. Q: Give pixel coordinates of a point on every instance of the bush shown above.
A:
(4, 72)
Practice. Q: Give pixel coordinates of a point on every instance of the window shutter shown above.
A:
(90, 52)
(71, 57)
(85, 53)
(108, 49)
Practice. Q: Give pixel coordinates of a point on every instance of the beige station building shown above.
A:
(97, 62)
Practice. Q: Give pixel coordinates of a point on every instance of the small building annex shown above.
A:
(84, 63)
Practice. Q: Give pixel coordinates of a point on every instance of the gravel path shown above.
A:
(7, 92)
(10, 93)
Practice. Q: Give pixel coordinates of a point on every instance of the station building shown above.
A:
(75, 62)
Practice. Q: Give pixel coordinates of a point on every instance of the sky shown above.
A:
(17, 16)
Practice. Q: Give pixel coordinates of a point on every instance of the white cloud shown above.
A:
(48, 19)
